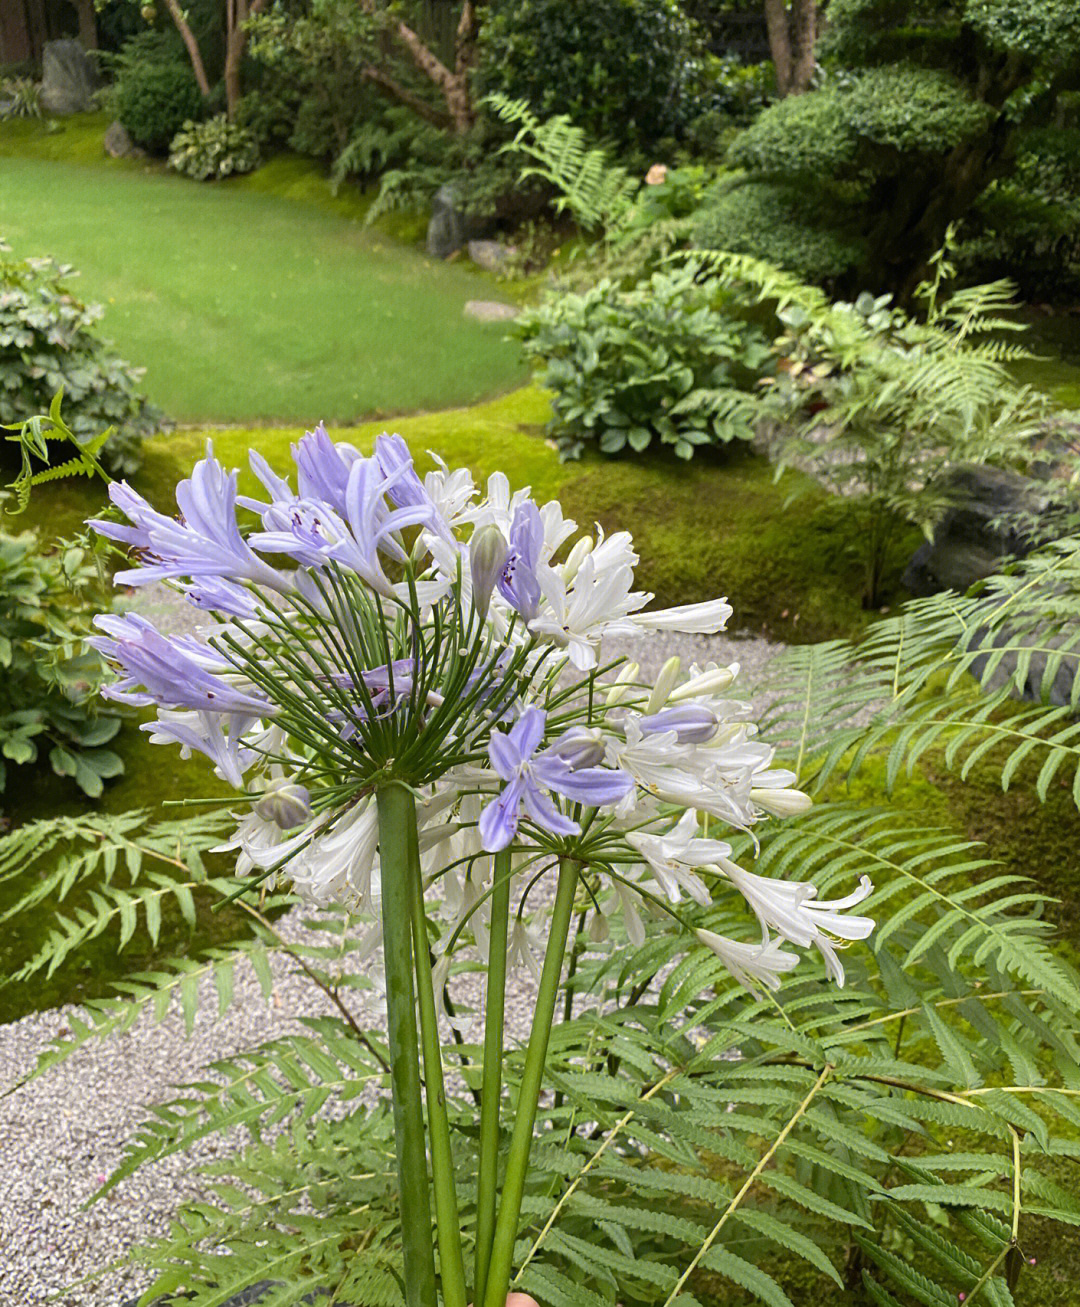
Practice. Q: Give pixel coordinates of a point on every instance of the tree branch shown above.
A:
(188, 37)
(415, 102)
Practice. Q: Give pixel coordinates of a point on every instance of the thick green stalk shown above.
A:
(487, 1181)
(517, 1165)
(397, 832)
(447, 1221)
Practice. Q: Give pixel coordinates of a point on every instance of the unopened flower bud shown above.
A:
(488, 551)
(598, 928)
(285, 803)
(580, 747)
(692, 723)
(713, 681)
(628, 673)
(665, 683)
(576, 557)
(782, 803)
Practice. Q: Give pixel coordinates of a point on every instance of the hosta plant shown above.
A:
(49, 343)
(662, 363)
(213, 149)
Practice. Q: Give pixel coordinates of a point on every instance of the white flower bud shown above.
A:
(628, 673)
(713, 681)
(285, 803)
(576, 557)
(782, 803)
(598, 928)
(665, 683)
(487, 558)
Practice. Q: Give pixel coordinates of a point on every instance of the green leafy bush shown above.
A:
(813, 235)
(662, 361)
(626, 71)
(154, 97)
(49, 682)
(49, 343)
(213, 149)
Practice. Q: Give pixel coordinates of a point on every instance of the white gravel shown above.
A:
(63, 1134)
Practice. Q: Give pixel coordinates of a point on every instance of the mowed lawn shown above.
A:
(247, 306)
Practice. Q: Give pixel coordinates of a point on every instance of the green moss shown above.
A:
(718, 524)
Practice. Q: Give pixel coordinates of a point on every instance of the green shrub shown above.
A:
(213, 149)
(48, 343)
(661, 361)
(49, 684)
(626, 71)
(811, 234)
(154, 99)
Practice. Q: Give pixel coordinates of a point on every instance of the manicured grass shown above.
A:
(254, 300)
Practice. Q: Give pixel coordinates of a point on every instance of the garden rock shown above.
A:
(490, 311)
(971, 540)
(69, 78)
(492, 256)
(450, 228)
(118, 142)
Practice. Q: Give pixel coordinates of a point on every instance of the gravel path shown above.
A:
(62, 1135)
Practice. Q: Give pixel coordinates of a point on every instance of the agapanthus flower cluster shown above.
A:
(368, 626)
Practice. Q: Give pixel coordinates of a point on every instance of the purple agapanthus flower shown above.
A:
(204, 542)
(692, 723)
(176, 672)
(528, 774)
(323, 467)
(518, 583)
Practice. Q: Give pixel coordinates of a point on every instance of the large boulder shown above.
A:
(118, 143)
(981, 529)
(451, 228)
(68, 79)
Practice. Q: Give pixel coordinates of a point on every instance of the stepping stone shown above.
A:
(491, 311)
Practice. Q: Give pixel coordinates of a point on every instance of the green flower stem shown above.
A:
(491, 1095)
(517, 1165)
(447, 1221)
(397, 816)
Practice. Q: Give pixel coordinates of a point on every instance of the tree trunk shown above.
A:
(15, 44)
(776, 22)
(237, 14)
(791, 42)
(453, 84)
(188, 37)
(804, 36)
(87, 24)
